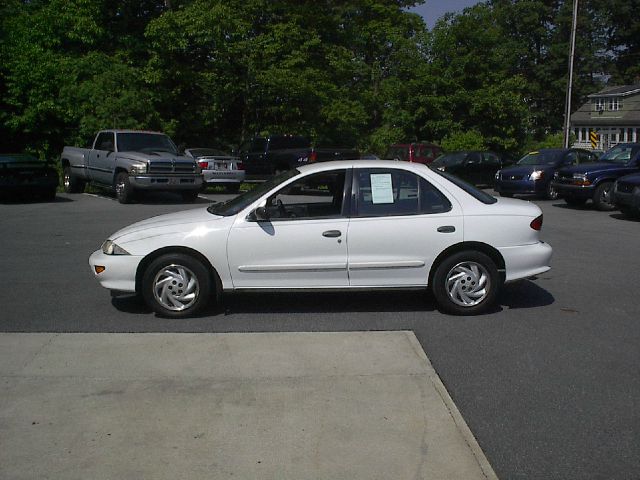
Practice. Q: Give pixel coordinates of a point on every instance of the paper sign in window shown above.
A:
(381, 188)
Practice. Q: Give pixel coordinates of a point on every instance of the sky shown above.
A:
(432, 10)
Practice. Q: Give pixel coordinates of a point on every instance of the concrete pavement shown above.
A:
(362, 405)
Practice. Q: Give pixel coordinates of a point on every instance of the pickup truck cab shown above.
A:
(594, 181)
(128, 161)
(265, 156)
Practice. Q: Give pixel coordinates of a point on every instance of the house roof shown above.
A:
(620, 91)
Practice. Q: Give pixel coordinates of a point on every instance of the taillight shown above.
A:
(203, 164)
(240, 166)
(536, 223)
(313, 156)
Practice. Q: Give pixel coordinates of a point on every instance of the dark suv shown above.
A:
(594, 181)
(533, 172)
(626, 195)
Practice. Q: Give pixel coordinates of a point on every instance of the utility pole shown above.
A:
(567, 113)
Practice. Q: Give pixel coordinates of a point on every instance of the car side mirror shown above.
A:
(260, 214)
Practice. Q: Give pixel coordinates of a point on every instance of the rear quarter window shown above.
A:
(476, 193)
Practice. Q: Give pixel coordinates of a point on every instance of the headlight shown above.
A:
(110, 248)
(138, 169)
(536, 175)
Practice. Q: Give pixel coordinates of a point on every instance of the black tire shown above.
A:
(232, 188)
(507, 195)
(551, 193)
(190, 195)
(482, 281)
(176, 285)
(70, 182)
(125, 193)
(575, 202)
(603, 197)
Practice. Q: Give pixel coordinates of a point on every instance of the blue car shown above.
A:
(595, 181)
(626, 195)
(533, 173)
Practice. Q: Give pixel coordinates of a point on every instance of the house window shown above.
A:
(600, 104)
(614, 104)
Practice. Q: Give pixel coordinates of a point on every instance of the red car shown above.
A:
(414, 152)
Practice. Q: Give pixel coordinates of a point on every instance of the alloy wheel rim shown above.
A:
(468, 284)
(176, 288)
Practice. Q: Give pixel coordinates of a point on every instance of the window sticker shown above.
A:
(381, 188)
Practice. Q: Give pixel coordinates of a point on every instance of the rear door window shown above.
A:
(391, 192)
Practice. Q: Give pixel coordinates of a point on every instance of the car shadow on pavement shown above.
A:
(523, 294)
(620, 216)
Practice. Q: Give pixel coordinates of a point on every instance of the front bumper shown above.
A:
(574, 191)
(627, 199)
(166, 182)
(525, 261)
(119, 270)
(520, 186)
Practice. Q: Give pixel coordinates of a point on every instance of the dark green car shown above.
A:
(25, 175)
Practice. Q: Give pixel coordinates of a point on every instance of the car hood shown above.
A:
(525, 169)
(594, 167)
(179, 222)
(151, 156)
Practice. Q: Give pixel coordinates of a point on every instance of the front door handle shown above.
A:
(332, 233)
(447, 229)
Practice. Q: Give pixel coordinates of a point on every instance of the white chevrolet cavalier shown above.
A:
(336, 225)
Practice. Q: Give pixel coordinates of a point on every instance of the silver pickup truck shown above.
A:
(129, 161)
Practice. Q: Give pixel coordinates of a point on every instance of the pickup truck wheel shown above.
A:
(176, 285)
(124, 190)
(466, 283)
(70, 182)
(603, 197)
(190, 195)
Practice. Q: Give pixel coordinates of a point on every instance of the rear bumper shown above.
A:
(223, 176)
(526, 260)
(166, 182)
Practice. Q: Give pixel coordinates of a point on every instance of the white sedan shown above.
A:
(338, 226)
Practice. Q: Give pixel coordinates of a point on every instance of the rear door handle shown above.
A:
(332, 233)
(447, 229)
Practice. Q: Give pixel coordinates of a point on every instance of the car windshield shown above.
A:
(467, 187)
(620, 154)
(540, 158)
(455, 158)
(236, 204)
(145, 142)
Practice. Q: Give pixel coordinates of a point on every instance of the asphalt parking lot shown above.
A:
(548, 382)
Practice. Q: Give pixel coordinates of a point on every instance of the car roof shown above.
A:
(322, 166)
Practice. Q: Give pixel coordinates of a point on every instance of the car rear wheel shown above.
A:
(603, 197)
(176, 285)
(70, 182)
(466, 283)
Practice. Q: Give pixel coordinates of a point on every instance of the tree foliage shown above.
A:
(365, 73)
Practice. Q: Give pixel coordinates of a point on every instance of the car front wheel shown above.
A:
(176, 285)
(466, 283)
(603, 197)
(124, 190)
